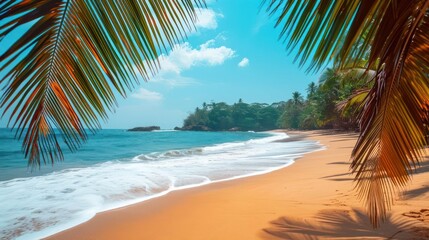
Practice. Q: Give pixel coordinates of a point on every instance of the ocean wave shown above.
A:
(157, 156)
(36, 207)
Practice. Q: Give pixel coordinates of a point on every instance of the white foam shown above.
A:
(43, 205)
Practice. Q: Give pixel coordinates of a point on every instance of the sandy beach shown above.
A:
(311, 199)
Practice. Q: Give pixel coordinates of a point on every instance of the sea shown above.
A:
(115, 168)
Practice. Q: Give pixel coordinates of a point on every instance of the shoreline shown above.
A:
(52, 231)
(262, 206)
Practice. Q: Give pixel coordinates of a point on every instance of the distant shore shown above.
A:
(311, 199)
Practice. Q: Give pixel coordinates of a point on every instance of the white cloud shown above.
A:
(207, 44)
(244, 62)
(207, 18)
(145, 94)
(184, 56)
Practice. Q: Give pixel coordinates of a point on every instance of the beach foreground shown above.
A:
(311, 199)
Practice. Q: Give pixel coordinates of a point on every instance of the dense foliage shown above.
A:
(323, 106)
(237, 117)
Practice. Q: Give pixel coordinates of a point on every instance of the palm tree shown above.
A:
(338, 87)
(295, 110)
(396, 33)
(311, 89)
(292, 112)
(329, 91)
(297, 98)
(355, 84)
(63, 72)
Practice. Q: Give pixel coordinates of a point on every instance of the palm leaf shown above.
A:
(64, 71)
(364, 80)
(392, 122)
(357, 100)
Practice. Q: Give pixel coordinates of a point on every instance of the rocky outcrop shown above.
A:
(144, 129)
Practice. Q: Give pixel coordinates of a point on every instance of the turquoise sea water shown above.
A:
(111, 145)
(116, 168)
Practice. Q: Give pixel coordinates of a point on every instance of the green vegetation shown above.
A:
(325, 105)
(237, 117)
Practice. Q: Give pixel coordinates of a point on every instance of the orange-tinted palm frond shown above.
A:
(392, 138)
(64, 71)
(392, 126)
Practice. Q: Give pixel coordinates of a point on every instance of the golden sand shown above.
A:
(311, 199)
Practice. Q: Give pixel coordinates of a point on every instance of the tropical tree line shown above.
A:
(334, 102)
(331, 103)
(239, 116)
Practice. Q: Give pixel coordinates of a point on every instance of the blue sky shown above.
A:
(235, 53)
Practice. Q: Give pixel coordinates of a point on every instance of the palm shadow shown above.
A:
(409, 194)
(340, 224)
(422, 167)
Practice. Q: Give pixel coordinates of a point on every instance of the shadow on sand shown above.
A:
(343, 224)
(416, 192)
(348, 176)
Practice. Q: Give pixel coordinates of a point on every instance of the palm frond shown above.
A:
(64, 71)
(392, 122)
(396, 32)
(363, 79)
(357, 99)
(337, 24)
